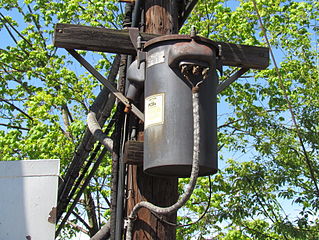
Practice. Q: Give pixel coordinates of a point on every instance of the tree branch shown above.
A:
(36, 23)
(78, 217)
(16, 127)
(18, 109)
(14, 29)
(20, 82)
(90, 208)
(8, 30)
(78, 227)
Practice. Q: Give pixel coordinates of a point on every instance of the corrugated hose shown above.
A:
(193, 178)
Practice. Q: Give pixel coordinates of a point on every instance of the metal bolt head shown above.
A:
(197, 70)
(193, 32)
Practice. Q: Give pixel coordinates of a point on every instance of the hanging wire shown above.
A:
(193, 178)
(196, 221)
(121, 185)
(84, 185)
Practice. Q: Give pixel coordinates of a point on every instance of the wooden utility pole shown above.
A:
(161, 17)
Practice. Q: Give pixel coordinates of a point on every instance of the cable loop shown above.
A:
(193, 178)
(132, 218)
(195, 89)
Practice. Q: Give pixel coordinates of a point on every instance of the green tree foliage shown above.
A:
(42, 101)
(44, 97)
(267, 190)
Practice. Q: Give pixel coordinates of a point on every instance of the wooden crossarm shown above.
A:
(80, 37)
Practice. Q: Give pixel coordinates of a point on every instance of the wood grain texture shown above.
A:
(133, 152)
(161, 18)
(94, 39)
(118, 41)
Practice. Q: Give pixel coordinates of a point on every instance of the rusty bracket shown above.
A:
(138, 44)
(141, 55)
(231, 79)
(107, 84)
(134, 33)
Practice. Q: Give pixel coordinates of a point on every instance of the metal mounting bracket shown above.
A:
(106, 83)
(138, 43)
(134, 33)
(231, 79)
(219, 60)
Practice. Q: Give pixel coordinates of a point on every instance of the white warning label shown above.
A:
(154, 110)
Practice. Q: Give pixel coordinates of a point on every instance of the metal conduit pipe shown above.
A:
(121, 174)
(136, 13)
(116, 220)
(135, 17)
(193, 178)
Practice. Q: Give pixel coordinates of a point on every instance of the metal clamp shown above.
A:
(138, 44)
(219, 62)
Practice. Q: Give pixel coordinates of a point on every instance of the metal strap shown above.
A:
(106, 83)
(231, 79)
(134, 33)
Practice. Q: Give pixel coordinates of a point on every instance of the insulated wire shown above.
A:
(200, 218)
(82, 175)
(120, 186)
(85, 184)
(97, 132)
(193, 178)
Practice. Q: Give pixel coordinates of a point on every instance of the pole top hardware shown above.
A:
(186, 38)
(193, 32)
(72, 36)
(191, 38)
(137, 41)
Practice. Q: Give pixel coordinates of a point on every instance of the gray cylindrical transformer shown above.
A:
(168, 135)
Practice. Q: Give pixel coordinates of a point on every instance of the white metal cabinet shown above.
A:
(28, 194)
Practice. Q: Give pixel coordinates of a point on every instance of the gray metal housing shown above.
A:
(168, 145)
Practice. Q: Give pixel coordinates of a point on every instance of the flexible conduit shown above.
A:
(192, 182)
(97, 132)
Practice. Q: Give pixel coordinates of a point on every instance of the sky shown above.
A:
(5, 40)
(222, 107)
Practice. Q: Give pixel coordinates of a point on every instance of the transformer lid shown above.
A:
(186, 38)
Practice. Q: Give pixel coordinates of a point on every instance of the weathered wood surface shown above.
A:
(118, 41)
(244, 56)
(95, 39)
(159, 191)
(133, 152)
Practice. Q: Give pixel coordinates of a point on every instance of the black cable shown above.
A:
(89, 162)
(85, 184)
(308, 161)
(87, 180)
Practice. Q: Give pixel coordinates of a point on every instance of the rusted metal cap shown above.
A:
(198, 50)
(186, 38)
